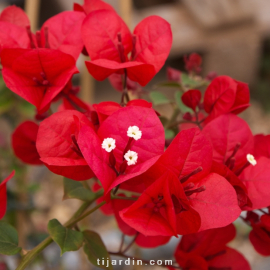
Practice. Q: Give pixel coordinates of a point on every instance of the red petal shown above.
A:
(65, 32)
(3, 195)
(225, 132)
(14, 15)
(21, 66)
(189, 150)
(154, 41)
(173, 74)
(192, 98)
(139, 72)
(231, 259)
(13, 36)
(262, 146)
(92, 5)
(256, 179)
(149, 147)
(151, 241)
(54, 145)
(218, 204)
(99, 32)
(225, 95)
(105, 109)
(24, 141)
(199, 243)
(260, 240)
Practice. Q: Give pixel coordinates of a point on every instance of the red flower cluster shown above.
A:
(208, 250)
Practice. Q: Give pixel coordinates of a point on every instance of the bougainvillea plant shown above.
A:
(190, 174)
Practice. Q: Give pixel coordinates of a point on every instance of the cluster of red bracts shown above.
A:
(212, 170)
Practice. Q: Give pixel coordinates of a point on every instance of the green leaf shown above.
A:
(180, 103)
(8, 239)
(76, 190)
(67, 239)
(95, 249)
(169, 134)
(158, 98)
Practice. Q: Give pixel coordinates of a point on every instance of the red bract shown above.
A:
(231, 139)
(13, 34)
(141, 240)
(64, 32)
(14, 15)
(189, 159)
(24, 143)
(207, 250)
(3, 195)
(162, 209)
(256, 180)
(173, 74)
(149, 46)
(192, 98)
(148, 148)
(92, 5)
(57, 144)
(240, 188)
(106, 108)
(260, 235)
(193, 62)
(225, 95)
(262, 146)
(37, 75)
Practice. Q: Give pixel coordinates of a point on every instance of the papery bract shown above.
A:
(207, 250)
(173, 74)
(14, 15)
(149, 147)
(256, 179)
(37, 75)
(189, 158)
(192, 98)
(24, 141)
(193, 62)
(64, 32)
(262, 146)
(3, 195)
(13, 22)
(229, 133)
(57, 144)
(150, 46)
(106, 108)
(92, 5)
(162, 209)
(260, 235)
(225, 95)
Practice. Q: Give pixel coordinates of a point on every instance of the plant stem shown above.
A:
(78, 216)
(131, 243)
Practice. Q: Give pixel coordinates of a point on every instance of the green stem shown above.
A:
(78, 216)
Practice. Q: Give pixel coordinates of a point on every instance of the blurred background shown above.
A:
(233, 38)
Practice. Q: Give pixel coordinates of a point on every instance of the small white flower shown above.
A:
(108, 144)
(134, 132)
(131, 157)
(251, 159)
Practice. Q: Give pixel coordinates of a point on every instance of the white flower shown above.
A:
(108, 144)
(251, 159)
(134, 132)
(131, 157)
